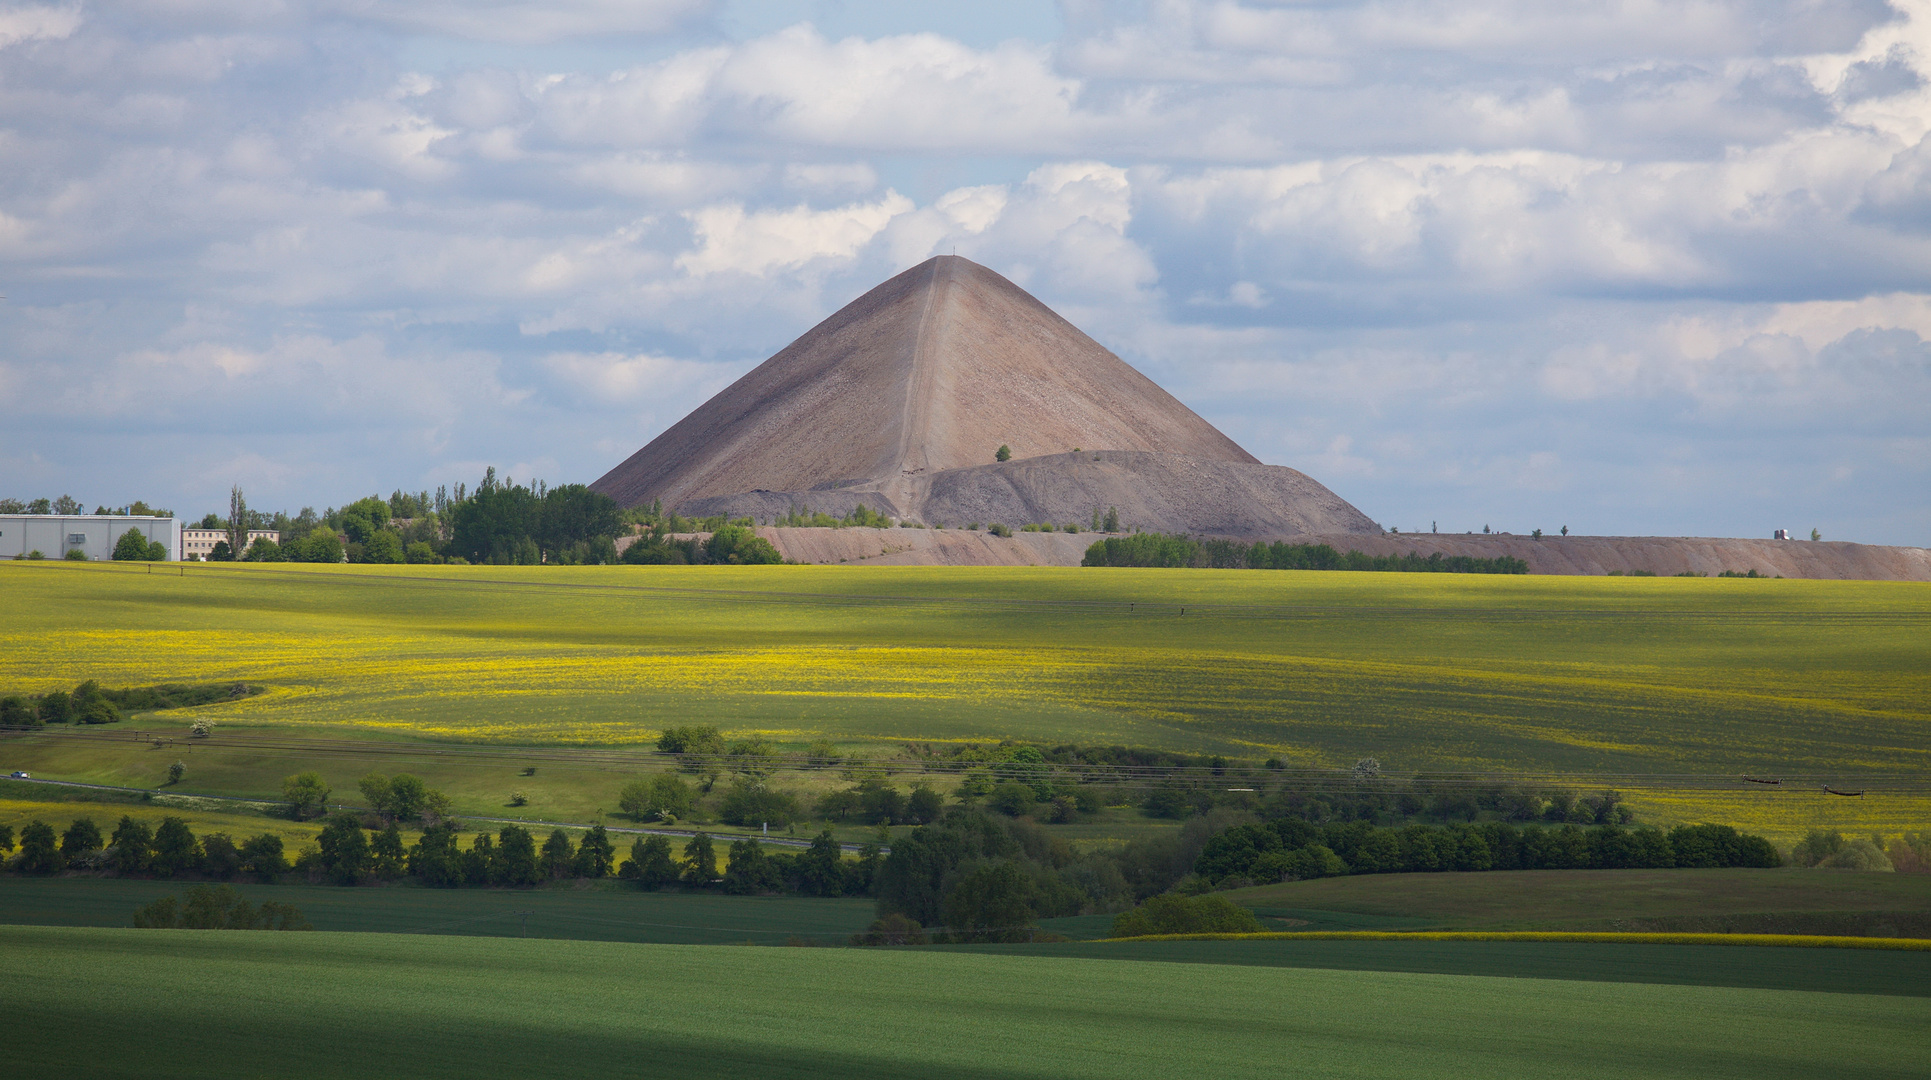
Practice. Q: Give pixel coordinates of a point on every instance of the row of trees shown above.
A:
(749, 801)
(170, 849)
(1160, 549)
(218, 907)
(512, 858)
(87, 703)
(1289, 849)
(399, 798)
(65, 505)
(731, 544)
(92, 703)
(500, 522)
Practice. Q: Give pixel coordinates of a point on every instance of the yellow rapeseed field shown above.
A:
(1574, 675)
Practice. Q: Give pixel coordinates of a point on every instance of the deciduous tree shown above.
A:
(306, 793)
(39, 854)
(595, 854)
(81, 837)
(133, 845)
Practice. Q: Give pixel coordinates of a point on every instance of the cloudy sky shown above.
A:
(1632, 266)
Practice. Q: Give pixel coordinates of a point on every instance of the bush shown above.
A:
(89, 705)
(893, 929)
(18, 711)
(1858, 855)
(696, 739)
(131, 547)
(218, 907)
(306, 793)
(663, 795)
(1011, 798)
(738, 545)
(751, 804)
(1172, 914)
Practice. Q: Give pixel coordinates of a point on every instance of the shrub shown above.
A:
(1011, 798)
(1172, 914)
(18, 711)
(750, 803)
(663, 795)
(131, 547)
(306, 793)
(695, 739)
(1858, 855)
(218, 907)
(893, 929)
(738, 545)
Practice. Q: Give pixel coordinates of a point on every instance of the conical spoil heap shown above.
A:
(901, 398)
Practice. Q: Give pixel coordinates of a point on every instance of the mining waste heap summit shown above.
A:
(899, 400)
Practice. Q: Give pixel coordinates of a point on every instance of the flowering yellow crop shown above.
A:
(1575, 676)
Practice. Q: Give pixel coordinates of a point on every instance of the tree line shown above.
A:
(1163, 550)
(1290, 849)
(170, 849)
(92, 703)
(499, 522)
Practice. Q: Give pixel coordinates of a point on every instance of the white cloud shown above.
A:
(37, 22)
(730, 240)
(525, 21)
(621, 378)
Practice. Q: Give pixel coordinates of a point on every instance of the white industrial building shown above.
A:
(54, 535)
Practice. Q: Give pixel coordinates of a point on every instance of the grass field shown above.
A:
(1577, 675)
(256, 1004)
(612, 913)
(1732, 901)
(1837, 971)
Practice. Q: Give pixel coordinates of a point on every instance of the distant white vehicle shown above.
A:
(21, 776)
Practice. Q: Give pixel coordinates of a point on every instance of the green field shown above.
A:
(1836, 971)
(610, 913)
(1424, 671)
(1715, 901)
(236, 1004)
